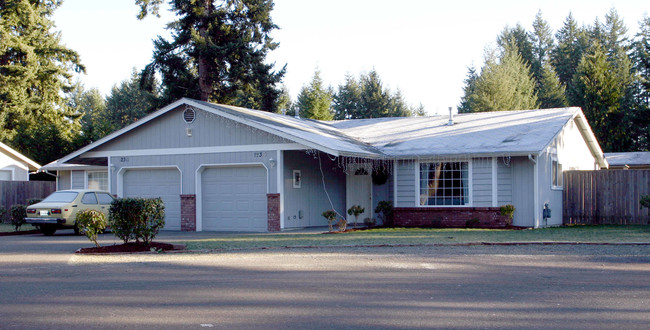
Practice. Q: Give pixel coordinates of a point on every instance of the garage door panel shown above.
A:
(234, 198)
(152, 183)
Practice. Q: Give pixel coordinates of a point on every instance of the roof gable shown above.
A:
(15, 155)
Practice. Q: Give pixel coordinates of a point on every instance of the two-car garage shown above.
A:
(229, 198)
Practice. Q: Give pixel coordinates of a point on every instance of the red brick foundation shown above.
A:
(188, 212)
(273, 211)
(449, 217)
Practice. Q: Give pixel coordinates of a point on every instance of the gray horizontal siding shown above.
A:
(63, 180)
(208, 130)
(482, 183)
(504, 186)
(405, 194)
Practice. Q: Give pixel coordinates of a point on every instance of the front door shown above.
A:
(359, 191)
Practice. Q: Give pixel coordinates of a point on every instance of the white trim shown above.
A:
(197, 150)
(12, 171)
(554, 170)
(470, 188)
(85, 179)
(197, 185)
(120, 176)
(17, 156)
(110, 176)
(536, 191)
(495, 183)
(395, 164)
(280, 182)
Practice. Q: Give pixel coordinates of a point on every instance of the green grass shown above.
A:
(403, 236)
(7, 227)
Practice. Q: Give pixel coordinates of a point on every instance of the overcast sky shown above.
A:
(421, 47)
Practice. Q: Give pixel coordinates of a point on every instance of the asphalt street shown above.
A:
(44, 285)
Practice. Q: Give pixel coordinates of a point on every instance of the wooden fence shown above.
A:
(605, 197)
(18, 192)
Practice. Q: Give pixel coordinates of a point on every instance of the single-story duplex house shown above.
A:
(639, 160)
(15, 166)
(225, 168)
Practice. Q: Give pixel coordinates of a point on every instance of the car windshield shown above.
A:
(61, 197)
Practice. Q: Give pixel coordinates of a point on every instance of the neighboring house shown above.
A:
(628, 160)
(14, 166)
(224, 168)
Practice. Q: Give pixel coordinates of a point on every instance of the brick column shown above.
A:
(188, 212)
(273, 211)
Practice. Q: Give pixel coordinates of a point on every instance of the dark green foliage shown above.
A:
(384, 210)
(356, 210)
(32, 201)
(641, 86)
(330, 215)
(469, 90)
(315, 100)
(3, 214)
(35, 74)
(509, 211)
(519, 37)
(645, 201)
(217, 53)
(18, 213)
(137, 219)
(367, 98)
(91, 223)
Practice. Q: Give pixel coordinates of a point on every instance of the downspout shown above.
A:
(535, 188)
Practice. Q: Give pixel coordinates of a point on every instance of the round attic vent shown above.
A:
(188, 115)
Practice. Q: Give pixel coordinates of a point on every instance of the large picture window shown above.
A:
(444, 183)
(98, 180)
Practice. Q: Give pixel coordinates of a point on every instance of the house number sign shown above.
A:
(258, 154)
(124, 159)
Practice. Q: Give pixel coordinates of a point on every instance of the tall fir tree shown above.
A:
(519, 37)
(597, 91)
(504, 84)
(469, 90)
(92, 107)
(315, 100)
(550, 92)
(347, 98)
(641, 86)
(35, 75)
(217, 52)
(572, 41)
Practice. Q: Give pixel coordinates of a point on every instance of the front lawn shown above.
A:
(416, 236)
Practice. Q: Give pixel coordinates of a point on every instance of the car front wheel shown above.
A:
(48, 230)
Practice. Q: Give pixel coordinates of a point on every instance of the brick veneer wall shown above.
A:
(188, 212)
(449, 217)
(273, 211)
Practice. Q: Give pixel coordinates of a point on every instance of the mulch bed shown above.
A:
(131, 248)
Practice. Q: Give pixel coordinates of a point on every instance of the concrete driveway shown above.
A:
(44, 285)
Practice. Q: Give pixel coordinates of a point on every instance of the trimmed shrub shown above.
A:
(509, 211)
(356, 210)
(32, 201)
(385, 211)
(645, 201)
(18, 213)
(330, 215)
(3, 214)
(91, 223)
(138, 219)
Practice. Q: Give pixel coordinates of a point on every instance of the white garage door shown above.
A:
(151, 183)
(234, 199)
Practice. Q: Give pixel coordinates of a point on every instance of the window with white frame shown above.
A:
(98, 180)
(556, 173)
(6, 175)
(444, 183)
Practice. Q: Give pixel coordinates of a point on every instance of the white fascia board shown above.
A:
(197, 150)
(31, 165)
(590, 138)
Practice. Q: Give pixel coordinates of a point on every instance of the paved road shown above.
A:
(44, 285)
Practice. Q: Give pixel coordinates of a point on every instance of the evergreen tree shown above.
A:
(572, 42)
(503, 85)
(519, 37)
(92, 107)
(641, 111)
(35, 74)
(347, 99)
(315, 100)
(542, 44)
(597, 91)
(469, 90)
(550, 92)
(217, 52)
(127, 103)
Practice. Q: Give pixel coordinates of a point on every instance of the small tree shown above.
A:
(356, 210)
(91, 223)
(18, 213)
(137, 218)
(330, 215)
